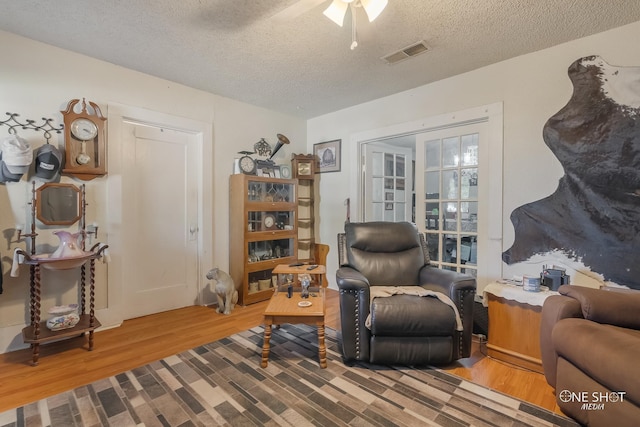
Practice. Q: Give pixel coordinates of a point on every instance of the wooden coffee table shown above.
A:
(282, 309)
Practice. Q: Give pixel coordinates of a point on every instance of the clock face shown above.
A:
(247, 165)
(84, 129)
(269, 221)
(304, 169)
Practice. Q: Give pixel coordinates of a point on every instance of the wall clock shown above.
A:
(85, 140)
(303, 166)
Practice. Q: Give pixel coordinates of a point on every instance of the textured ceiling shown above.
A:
(303, 65)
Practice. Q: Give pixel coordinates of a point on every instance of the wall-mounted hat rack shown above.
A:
(46, 127)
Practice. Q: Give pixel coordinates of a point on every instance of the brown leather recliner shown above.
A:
(405, 329)
(590, 343)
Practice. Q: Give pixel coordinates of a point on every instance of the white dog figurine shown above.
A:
(225, 290)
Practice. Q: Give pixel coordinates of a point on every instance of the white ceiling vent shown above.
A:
(410, 51)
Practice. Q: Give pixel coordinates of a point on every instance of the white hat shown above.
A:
(16, 154)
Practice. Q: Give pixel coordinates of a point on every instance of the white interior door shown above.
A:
(449, 181)
(160, 259)
(388, 183)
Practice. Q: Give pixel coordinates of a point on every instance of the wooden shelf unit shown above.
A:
(263, 232)
(36, 332)
(306, 221)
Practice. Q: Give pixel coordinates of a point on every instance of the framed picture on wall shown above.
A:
(329, 155)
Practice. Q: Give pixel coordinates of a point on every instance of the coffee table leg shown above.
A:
(265, 345)
(322, 349)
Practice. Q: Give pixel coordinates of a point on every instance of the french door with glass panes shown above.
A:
(388, 171)
(447, 207)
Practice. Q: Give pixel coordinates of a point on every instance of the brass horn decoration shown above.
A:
(281, 141)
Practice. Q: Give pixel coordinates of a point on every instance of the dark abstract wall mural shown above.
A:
(594, 214)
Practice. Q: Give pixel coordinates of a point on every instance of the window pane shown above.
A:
(376, 191)
(432, 243)
(388, 183)
(450, 216)
(432, 154)
(400, 166)
(377, 211)
(400, 211)
(432, 219)
(469, 217)
(449, 184)
(388, 164)
(432, 185)
(376, 164)
(469, 183)
(450, 153)
(468, 250)
(450, 245)
(469, 149)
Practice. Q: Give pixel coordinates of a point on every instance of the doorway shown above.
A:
(162, 273)
(476, 251)
(159, 193)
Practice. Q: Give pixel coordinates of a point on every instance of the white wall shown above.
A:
(532, 88)
(37, 80)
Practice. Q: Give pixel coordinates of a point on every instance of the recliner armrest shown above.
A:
(354, 309)
(446, 281)
(461, 288)
(554, 309)
(609, 307)
(348, 278)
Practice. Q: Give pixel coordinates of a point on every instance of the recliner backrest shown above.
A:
(386, 253)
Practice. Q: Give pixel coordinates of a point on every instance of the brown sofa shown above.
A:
(590, 343)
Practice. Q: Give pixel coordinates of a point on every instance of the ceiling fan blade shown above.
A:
(336, 11)
(373, 8)
(295, 10)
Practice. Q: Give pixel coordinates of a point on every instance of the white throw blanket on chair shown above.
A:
(387, 291)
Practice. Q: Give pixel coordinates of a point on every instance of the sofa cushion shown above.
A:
(606, 353)
(411, 316)
(618, 308)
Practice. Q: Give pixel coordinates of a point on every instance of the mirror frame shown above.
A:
(39, 210)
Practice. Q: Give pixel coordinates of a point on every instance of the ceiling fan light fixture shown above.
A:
(337, 11)
(373, 8)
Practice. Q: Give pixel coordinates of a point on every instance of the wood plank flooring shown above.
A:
(67, 365)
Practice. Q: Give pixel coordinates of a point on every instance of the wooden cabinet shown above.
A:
(306, 237)
(304, 168)
(263, 232)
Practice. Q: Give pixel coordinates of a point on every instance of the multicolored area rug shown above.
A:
(222, 383)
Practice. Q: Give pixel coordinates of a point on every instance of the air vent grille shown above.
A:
(406, 52)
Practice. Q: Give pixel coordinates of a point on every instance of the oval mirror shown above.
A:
(58, 204)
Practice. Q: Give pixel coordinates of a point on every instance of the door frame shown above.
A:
(493, 114)
(117, 114)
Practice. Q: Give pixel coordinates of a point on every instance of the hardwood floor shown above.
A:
(66, 365)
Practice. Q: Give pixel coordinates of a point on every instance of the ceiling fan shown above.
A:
(336, 11)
